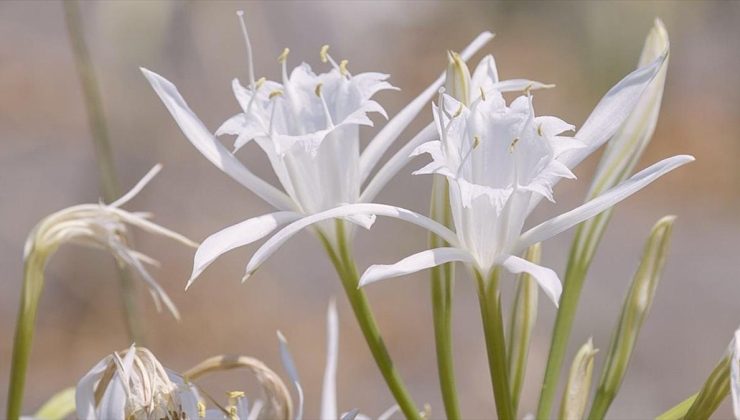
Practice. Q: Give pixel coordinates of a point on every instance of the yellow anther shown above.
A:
(284, 55)
(458, 111)
(343, 67)
(235, 394)
(275, 93)
(539, 130)
(232, 412)
(482, 94)
(317, 90)
(324, 53)
(476, 142)
(201, 409)
(513, 144)
(528, 89)
(258, 84)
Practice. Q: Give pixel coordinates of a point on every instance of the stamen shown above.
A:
(458, 111)
(482, 94)
(250, 64)
(324, 53)
(261, 81)
(476, 142)
(283, 59)
(539, 130)
(235, 394)
(201, 409)
(513, 144)
(528, 89)
(343, 68)
(327, 114)
(275, 93)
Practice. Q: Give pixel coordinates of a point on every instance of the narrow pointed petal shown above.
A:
(396, 163)
(591, 208)
(545, 277)
(277, 240)
(85, 391)
(612, 110)
(417, 262)
(289, 365)
(395, 126)
(388, 413)
(235, 236)
(329, 389)
(209, 146)
(133, 192)
(518, 85)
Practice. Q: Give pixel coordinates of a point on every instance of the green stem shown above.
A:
(493, 330)
(347, 271)
(442, 283)
(103, 153)
(33, 284)
(575, 275)
(442, 315)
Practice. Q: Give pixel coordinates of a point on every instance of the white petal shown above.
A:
(395, 126)
(235, 236)
(545, 277)
(138, 187)
(518, 85)
(395, 163)
(85, 391)
(274, 243)
(289, 366)
(209, 146)
(417, 262)
(612, 110)
(329, 389)
(604, 201)
(735, 374)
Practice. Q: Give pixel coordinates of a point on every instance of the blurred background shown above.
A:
(47, 163)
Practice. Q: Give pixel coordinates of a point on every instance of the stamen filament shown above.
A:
(250, 64)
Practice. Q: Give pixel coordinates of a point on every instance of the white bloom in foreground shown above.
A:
(308, 126)
(133, 384)
(104, 226)
(501, 160)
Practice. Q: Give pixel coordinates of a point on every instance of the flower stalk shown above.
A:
(634, 312)
(622, 154)
(489, 298)
(109, 185)
(522, 321)
(344, 264)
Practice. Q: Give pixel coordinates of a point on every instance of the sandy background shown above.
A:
(46, 163)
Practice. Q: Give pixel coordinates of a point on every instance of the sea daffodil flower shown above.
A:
(501, 161)
(308, 126)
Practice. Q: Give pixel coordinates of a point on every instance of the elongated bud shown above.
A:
(626, 147)
(523, 317)
(58, 407)
(634, 311)
(457, 83)
(577, 389)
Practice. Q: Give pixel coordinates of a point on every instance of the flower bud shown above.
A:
(576, 392)
(457, 83)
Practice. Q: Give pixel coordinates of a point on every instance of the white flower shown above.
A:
(134, 385)
(308, 126)
(501, 161)
(104, 226)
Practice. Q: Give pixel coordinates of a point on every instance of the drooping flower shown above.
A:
(133, 384)
(500, 161)
(308, 126)
(104, 226)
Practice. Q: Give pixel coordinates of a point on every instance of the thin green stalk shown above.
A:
(109, 186)
(347, 271)
(493, 330)
(442, 283)
(33, 285)
(575, 274)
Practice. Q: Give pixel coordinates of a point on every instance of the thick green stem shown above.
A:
(109, 186)
(347, 271)
(575, 275)
(493, 330)
(442, 283)
(33, 284)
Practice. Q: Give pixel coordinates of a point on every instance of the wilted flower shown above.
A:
(104, 226)
(133, 384)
